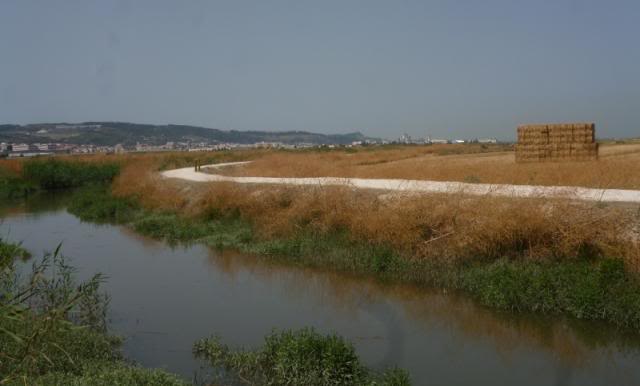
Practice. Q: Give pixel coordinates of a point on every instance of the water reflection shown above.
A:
(35, 204)
(573, 343)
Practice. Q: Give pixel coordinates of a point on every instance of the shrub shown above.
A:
(40, 319)
(13, 187)
(94, 203)
(10, 252)
(53, 332)
(51, 173)
(108, 374)
(601, 290)
(302, 357)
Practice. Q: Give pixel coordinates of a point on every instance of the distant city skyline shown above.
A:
(441, 68)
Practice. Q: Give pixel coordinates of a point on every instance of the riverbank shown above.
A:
(587, 287)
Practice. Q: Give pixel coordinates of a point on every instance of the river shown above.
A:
(163, 298)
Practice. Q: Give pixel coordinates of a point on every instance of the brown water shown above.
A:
(164, 298)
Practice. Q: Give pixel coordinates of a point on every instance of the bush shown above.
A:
(108, 374)
(14, 187)
(57, 174)
(49, 323)
(94, 203)
(301, 357)
(53, 331)
(602, 290)
(9, 252)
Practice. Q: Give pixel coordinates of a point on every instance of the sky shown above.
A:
(457, 69)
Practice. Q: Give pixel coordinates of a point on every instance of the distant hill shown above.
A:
(112, 133)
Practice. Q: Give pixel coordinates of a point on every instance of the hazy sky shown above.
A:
(448, 68)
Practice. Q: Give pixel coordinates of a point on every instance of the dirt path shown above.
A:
(503, 190)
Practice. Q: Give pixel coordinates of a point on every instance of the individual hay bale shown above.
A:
(584, 151)
(584, 146)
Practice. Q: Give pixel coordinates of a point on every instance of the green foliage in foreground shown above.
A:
(52, 329)
(585, 289)
(108, 374)
(301, 357)
(8, 253)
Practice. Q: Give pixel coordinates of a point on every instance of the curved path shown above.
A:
(503, 190)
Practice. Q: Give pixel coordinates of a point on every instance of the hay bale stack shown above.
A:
(556, 142)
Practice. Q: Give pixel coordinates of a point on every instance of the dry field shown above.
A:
(443, 227)
(618, 166)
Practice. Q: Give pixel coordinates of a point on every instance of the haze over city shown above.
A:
(449, 69)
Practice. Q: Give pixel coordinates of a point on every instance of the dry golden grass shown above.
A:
(618, 166)
(11, 167)
(139, 179)
(443, 227)
(435, 226)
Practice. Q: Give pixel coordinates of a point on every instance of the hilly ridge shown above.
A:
(126, 133)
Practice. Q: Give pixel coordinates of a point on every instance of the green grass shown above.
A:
(107, 374)
(91, 203)
(601, 290)
(50, 173)
(53, 329)
(48, 322)
(12, 186)
(9, 252)
(588, 289)
(302, 357)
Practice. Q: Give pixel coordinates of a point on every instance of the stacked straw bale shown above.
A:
(556, 142)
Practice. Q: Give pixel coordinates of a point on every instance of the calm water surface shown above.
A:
(164, 298)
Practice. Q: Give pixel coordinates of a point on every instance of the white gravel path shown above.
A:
(503, 190)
